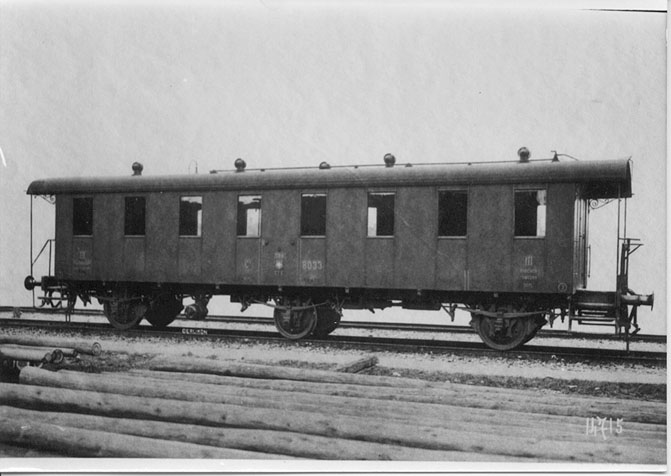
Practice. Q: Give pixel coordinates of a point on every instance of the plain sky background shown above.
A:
(87, 89)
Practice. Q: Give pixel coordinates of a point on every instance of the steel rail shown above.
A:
(399, 345)
(392, 326)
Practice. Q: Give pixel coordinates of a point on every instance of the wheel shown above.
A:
(503, 334)
(295, 325)
(163, 310)
(123, 313)
(327, 321)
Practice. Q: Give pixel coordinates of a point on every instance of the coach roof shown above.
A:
(600, 179)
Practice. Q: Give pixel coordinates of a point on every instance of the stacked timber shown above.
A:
(21, 351)
(217, 409)
(33, 355)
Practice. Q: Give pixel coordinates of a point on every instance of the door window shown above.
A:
(530, 213)
(381, 214)
(249, 215)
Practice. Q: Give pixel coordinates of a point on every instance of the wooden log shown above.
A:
(264, 441)
(431, 392)
(62, 352)
(422, 414)
(8, 450)
(220, 367)
(80, 347)
(474, 397)
(23, 354)
(26, 355)
(31, 354)
(90, 443)
(57, 356)
(361, 428)
(358, 365)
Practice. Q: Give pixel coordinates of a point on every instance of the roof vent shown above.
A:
(524, 154)
(389, 160)
(324, 165)
(239, 165)
(137, 168)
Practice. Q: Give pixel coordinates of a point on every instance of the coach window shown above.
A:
(313, 214)
(190, 216)
(82, 216)
(249, 215)
(530, 213)
(452, 213)
(134, 216)
(380, 214)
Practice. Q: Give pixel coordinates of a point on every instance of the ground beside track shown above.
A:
(543, 411)
(620, 380)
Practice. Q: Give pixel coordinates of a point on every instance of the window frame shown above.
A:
(530, 188)
(464, 191)
(199, 217)
(302, 233)
(259, 220)
(392, 193)
(144, 217)
(88, 198)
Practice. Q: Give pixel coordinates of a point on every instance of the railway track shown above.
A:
(400, 326)
(393, 344)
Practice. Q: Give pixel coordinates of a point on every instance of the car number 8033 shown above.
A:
(312, 265)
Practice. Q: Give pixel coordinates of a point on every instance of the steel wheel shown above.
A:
(295, 325)
(124, 314)
(327, 321)
(163, 310)
(503, 334)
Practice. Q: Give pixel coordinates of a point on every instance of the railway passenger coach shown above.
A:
(506, 241)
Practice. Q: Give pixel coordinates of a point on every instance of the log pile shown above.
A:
(21, 351)
(204, 408)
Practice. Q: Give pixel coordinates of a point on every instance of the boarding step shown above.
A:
(594, 320)
(595, 302)
(594, 308)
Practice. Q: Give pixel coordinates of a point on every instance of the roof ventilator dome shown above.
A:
(524, 154)
(137, 169)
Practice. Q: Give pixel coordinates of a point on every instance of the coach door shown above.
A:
(134, 245)
(248, 241)
(490, 238)
(312, 243)
(280, 237)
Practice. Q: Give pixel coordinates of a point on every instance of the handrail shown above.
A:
(49, 242)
